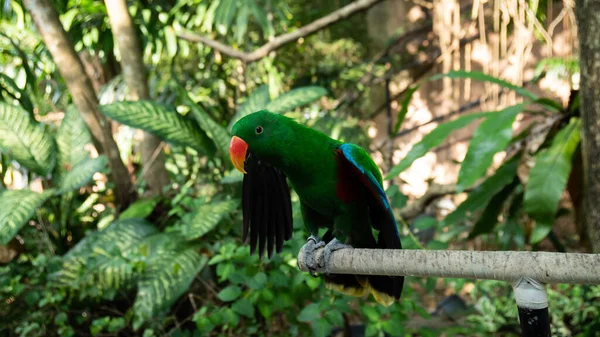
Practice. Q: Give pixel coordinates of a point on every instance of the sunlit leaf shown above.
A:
(431, 140)
(491, 136)
(162, 121)
(25, 140)
(479, 76)
(16, 208)
(548, 178)
(295, 98)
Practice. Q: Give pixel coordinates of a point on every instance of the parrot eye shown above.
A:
(259, 130)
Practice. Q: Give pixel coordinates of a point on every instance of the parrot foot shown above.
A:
(331, 247)
(312, 243)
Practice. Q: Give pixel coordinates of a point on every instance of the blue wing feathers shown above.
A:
(351, 152)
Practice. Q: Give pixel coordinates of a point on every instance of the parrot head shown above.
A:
(262, 134)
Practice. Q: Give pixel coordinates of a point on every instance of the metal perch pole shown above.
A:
(527, 271)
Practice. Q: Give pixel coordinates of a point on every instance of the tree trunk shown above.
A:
(71, 68)
(134, 73)
(588, 22)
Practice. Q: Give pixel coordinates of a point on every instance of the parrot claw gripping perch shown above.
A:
(309, 248)
(331, 247)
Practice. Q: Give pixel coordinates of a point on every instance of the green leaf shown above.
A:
(16, 208)
(479, 76)
(162, 284)
(100, 256)
(161, 120)
(140, 209)
(548, 178)
(82, 174)
(404, 106)
(261, 16)
(321, 328)
(489, 217)
(71, 138)
(431, 140)
(25, 140)
(10, 86)
(257, 101)
(171, 40)
(230, 293)
(550, 104)
(491, 136)
(215, 131)
(205, 218)
(295, 98)
(424, 222)
(224, 15)
(310, 313)
(241, 23)
(481, 195)
(243, 307)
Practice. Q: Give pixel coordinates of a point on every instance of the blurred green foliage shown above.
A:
(174, 265)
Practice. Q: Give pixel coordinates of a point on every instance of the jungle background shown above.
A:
(120, 211)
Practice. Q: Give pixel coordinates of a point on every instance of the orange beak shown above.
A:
(237, 152)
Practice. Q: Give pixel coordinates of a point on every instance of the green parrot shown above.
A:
(339, 186)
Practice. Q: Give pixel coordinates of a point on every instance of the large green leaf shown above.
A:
(548, 178)
(214, 130)
(489, 217)
(295, 98)
(481, 195)
(166, 278)
(71, 138)
(431, 140)
(161, 120)
(258, 100)
(25, 140)
(479, 76)
(205, 218)
(82, 173)
(490, 137)
(16, 208)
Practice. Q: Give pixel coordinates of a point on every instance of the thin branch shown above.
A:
(417, 207)
(546, 267)
(284, 39)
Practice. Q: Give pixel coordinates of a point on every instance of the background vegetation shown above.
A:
(140, 236)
